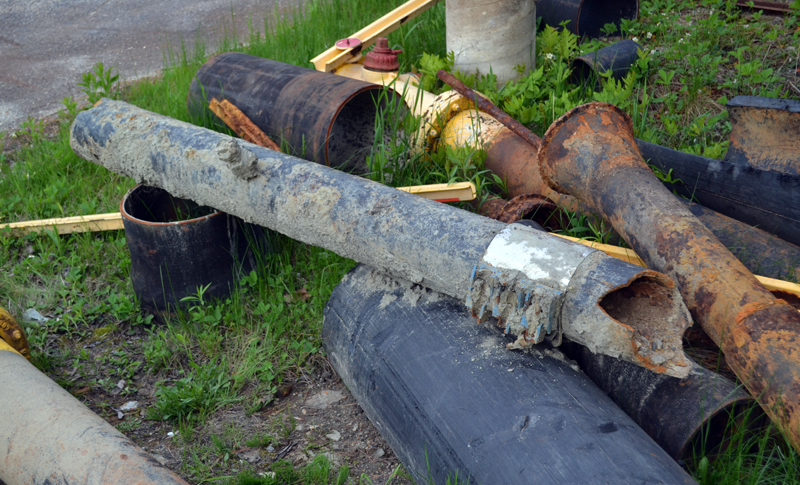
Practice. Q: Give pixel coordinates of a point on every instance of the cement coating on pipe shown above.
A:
(492, 37)
(47, 437)
(432, 244)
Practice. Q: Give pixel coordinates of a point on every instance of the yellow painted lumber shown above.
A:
(67, 225)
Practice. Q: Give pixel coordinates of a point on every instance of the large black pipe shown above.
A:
(691, 417)
(586, 17)
(448, 396)
(317, 116)
(765, 199)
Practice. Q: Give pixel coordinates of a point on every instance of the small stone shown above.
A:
(355, 428)
(378, 453)
(271, 449)
(32, 316)
(323, 399)
(129, 406)
(251, 456)
(335, 435)
(121, 384)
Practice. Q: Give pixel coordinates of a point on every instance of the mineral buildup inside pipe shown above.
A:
(538, 286)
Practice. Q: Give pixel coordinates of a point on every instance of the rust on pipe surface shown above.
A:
(13, 334)
(523, 206)
(485, 105)
(768, 7)
(241, 124)
(764, 133)
(591, 153)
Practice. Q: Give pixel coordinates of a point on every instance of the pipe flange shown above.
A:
(13, 334)
(443, 109)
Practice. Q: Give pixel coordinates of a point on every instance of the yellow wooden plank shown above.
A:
(67, 225)
(630, 256)
(461, 191)
(335, 57)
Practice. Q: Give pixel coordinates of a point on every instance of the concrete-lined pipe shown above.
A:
(591, 154)
(49, 438)
(535, 282)
(492, 37)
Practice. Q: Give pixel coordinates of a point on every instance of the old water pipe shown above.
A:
(536, 285)
(50, 438)
(452, 119)
(590, 153)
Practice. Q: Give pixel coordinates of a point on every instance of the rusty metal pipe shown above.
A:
(536, 285)
(591, 153)
(49, 437)
(323, 118)
(453, 120)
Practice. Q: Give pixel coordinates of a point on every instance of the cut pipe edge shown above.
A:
(328, 208)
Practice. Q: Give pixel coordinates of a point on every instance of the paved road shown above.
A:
(45, 45)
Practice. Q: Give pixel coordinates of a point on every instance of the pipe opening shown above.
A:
(352, 133)
(651, 309)
(157, 206)
(595, 14)
(732, 425)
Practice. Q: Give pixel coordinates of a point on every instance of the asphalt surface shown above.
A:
(45, 45)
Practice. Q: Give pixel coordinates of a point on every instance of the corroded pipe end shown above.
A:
(13, 334)
(639, 315)
(584, 146)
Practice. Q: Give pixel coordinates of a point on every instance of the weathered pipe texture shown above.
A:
(172, 258)
(464, 404)
(769, 200)
(323, 118)
(591, 154)
(688, 417)
(492, 38)
(50, 438)
(431, 244)
(586, 17)
(515, 161)
(617, 58)
(765, 133)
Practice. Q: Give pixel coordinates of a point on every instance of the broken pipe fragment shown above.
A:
(535, 283)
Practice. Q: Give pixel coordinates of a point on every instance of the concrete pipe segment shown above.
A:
(539, 286)
(492, 37)
(47, 437)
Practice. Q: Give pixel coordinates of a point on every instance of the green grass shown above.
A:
(237, 350)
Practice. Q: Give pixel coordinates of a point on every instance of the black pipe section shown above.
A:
(317, 116)
(178, 247)
(617, 58)
(449, 398)
(691, 417)
(765, 199)
(586, 17)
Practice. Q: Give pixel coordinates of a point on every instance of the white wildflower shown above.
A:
(635, 39)
(652, 52)
(549, 56)
(649, 35)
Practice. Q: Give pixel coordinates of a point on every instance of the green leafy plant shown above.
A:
(100, 83)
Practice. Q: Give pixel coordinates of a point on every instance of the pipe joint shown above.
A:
(14, 335)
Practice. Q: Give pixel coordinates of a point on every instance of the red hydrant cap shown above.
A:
(382, 58)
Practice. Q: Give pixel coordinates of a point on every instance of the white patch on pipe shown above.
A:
(536, 254)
